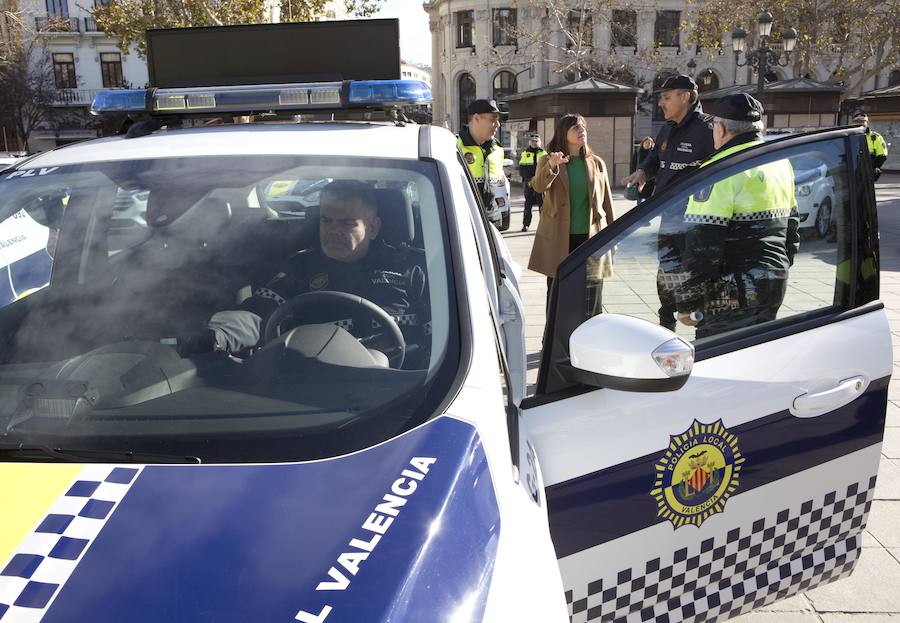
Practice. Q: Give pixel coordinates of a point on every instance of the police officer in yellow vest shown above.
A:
(742, 232)
(527, 166)
(877, 146)
(483, 154)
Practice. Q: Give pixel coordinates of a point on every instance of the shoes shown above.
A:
(524, 228)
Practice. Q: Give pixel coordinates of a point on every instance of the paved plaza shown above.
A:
(872, 593)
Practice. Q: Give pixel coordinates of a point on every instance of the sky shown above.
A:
(415, 38)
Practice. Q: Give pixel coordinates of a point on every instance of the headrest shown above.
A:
(395, 211)
(167, 204)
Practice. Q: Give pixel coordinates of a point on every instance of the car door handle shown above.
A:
(818, 403)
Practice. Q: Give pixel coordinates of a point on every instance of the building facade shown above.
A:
(84, 61)
(409, 71)
(492, 48)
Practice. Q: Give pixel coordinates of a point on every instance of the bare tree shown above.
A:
(565, 38)
(27, 83)
(852, 39)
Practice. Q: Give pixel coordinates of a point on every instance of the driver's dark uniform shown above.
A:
(391, 277)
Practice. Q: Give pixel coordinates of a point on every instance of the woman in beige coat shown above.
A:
(577, 205)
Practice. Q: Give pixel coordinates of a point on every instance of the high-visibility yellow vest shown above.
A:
(877, 146)
(530, 158)
(761, 193)
(474, 157)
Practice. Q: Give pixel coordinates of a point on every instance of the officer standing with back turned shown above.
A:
(743, 232)
(682, 145)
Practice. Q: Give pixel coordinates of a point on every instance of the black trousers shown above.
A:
(593, 291)
(532, 198)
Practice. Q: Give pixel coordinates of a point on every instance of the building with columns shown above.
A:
(475, 53)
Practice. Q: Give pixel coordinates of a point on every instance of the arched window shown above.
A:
(466, 97)
(657, 83)
(504, 85)
(894, 78)
(707, 81)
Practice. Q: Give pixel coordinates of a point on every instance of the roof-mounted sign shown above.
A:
(274, 53)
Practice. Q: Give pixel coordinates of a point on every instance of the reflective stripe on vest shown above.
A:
(760, 193)
(474, 157)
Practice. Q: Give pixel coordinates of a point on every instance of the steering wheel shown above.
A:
(325, 305)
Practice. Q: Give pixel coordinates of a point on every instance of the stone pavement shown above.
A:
(872, 593)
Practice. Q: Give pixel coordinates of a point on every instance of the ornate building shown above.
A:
(493, 48)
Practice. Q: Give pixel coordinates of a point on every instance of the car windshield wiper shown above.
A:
(34, 452)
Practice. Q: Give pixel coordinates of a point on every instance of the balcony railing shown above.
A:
(56, 24)
(74, 97)
(90, 25)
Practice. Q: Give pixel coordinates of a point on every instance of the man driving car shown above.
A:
(351, 258)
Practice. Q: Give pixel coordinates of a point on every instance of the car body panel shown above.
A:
(360, 139)
(728, 494)
(264, 542)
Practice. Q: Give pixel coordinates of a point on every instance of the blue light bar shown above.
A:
(379, 93)
(247, 99)
(119, 101)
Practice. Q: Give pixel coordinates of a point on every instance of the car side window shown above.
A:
(767, 242)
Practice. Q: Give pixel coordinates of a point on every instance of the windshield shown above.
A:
(228, 309)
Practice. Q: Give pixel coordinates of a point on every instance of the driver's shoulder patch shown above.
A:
(318, 281)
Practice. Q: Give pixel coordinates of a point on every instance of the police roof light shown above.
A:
(119, 101)
(254, 98)
(387, 92)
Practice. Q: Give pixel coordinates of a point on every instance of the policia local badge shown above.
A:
(697, 474)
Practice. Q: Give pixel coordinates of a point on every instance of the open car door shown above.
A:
(752, 481)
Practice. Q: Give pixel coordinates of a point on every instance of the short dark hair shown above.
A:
(352, 189)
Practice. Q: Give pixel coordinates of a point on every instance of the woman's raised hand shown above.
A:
(557, 158)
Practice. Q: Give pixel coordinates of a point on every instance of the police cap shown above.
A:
(860, 115)
(482, 106)
(679, 81)
(738, 107)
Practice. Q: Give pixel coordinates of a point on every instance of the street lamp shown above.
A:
(763, 57)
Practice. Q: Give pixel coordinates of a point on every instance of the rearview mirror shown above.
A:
(629, 354)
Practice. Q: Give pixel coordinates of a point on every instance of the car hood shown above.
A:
(404, 531)
(804, 176)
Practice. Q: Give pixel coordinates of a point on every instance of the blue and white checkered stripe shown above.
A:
(44, 560)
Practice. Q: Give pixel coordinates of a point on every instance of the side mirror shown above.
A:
(628, 354)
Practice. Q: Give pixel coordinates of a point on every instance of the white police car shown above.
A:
(647, 478)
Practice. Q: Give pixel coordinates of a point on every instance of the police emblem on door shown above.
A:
(697, 474)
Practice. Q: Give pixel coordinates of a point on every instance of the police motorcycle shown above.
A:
(147, 483)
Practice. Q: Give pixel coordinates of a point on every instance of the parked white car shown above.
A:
(814, 191)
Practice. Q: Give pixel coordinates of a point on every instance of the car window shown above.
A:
(763, 244)
(173, 305)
